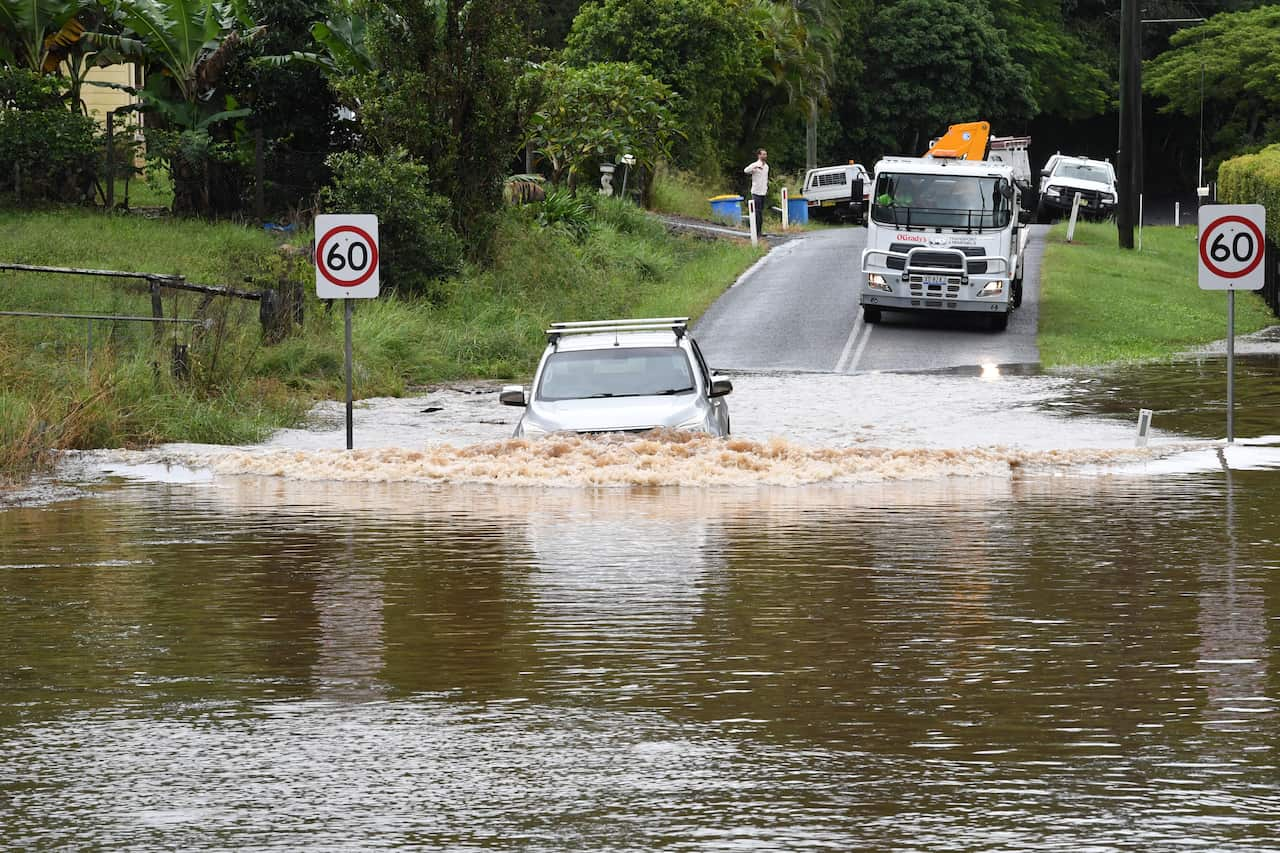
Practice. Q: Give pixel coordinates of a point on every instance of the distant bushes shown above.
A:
(419, 247)
(1254, 179)
(46, 151)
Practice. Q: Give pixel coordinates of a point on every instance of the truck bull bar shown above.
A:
(960, 271)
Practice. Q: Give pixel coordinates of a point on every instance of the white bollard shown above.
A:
(786, 220)
(751, 220)
(1144, 428)
(1177, 214)
(1071, 223)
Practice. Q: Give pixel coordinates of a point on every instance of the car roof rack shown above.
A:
(678, 325)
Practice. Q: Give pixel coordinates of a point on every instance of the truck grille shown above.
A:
(931, 259)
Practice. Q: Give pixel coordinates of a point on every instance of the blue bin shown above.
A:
(727, 208)
(798, 211)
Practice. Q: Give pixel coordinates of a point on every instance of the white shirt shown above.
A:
(759, 177)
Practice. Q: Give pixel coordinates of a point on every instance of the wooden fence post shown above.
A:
(157, 310)
(259, 176)
(111, 157)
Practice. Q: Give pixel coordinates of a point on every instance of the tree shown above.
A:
(1238, 54)
(702, 49)
(933, 63)
(594, 114)
(1069, 76)
(445, 92)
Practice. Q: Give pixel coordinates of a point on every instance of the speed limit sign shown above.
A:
(347, 256)
(1232, 246)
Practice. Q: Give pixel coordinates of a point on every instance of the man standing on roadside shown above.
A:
(759, 172)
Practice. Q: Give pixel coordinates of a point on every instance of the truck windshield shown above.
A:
(941, 201)
(1084, 172)
(615, 372)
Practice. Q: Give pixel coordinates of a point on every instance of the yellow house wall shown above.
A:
(100, 99)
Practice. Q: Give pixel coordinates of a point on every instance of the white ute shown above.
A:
(839, 192)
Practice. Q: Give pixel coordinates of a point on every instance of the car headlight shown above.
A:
(993, 288)
(694, 423)
(1053, 191)
(1109, 198)
(876, 281)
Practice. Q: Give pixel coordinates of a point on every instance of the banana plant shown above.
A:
(189, 41)
(342, 39)
(30, 30)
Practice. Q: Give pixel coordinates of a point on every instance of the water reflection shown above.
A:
(1040, 662)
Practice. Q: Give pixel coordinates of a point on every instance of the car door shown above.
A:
(719, 407)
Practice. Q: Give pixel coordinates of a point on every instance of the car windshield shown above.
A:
(1083, 172)
(946, 201)
(615, 372)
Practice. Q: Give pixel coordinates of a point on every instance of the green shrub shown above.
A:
(418, 246)
(1254, 179)
(46, 151)
(564, 210)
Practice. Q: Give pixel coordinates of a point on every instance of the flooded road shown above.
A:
(948, 611)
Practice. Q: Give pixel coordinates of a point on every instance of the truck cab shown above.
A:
(943, 235)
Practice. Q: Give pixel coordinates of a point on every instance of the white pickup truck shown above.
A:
(838, 192)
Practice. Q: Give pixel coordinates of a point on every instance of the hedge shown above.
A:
(1254, 179)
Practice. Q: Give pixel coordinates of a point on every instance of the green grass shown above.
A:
(685, 194)
(1100, 304)
(489, 326)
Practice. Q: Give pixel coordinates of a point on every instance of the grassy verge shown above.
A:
(58, 392)
(684, 194)
(1099, 303)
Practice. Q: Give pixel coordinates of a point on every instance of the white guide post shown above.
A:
(1075, 212)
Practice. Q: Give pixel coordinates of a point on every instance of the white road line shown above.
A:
(857, 356)
(858, 326)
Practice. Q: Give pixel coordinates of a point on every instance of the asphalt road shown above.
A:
(797, 310)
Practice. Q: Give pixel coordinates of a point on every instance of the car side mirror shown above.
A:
(512, 395)
(720, 387)
(1044, 173)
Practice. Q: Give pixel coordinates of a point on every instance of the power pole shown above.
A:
(1129, 157)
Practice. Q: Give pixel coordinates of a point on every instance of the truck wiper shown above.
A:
(669, 391)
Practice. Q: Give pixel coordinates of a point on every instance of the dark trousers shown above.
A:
(760, 208)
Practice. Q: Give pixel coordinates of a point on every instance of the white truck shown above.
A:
(944, 235)
(1063, 177)
(838, 192)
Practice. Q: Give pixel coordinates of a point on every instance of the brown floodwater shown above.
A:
(1045, 640)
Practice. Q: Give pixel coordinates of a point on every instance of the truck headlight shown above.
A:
(875, 281)
(992, 288)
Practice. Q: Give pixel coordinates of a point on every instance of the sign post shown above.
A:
(347, 268)
(1231, 258)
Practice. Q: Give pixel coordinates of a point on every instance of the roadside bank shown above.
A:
(83, 384)
(1101, 304)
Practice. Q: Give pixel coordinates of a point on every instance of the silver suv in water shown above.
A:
(621, 376)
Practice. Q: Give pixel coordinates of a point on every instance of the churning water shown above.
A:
(913, 612)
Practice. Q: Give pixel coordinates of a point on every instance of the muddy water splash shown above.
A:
(662, 458)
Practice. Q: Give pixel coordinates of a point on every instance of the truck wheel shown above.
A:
(870, 315)
(1017, 293)
(998, 322)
